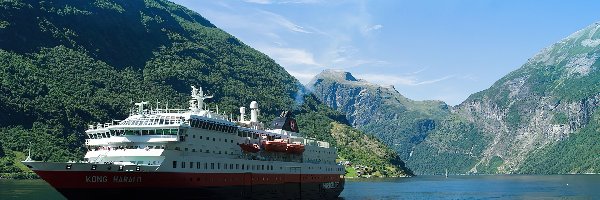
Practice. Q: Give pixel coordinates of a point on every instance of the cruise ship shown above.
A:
(197, 153)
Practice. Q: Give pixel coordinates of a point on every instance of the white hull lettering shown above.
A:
(127, 179)
(96, 179)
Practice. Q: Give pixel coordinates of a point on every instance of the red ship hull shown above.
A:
(170, 185)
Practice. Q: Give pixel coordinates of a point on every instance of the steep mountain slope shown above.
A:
(541, 118)
(400, 122)
(65, 64)
(425, 133)
(547, 102)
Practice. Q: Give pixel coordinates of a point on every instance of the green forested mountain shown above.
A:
(541, 118)
(66, 64)
(426, 134)
(382, 111)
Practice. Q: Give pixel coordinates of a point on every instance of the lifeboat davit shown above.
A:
(295, 148)
(277, 145)
(250, 147)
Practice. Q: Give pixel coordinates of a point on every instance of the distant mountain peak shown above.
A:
(336, 74)
(580, 42)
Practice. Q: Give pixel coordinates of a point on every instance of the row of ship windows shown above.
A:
(315, 151)
(200, 165)
(277, 178)
(135, 132)
(197, 123)
(213, 139)
(207, 151)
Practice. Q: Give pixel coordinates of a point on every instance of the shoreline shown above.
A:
(19, 176)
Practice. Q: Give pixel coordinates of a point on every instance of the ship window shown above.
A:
(242, 166)
(93, 167)
(182, 164)
(230, 166)
(174, 164)
(193, 150)
(212, 165)
(200, 137)
(231, 141)
(225, 165)
(218, 165)
(237, 166)
(205, 165)
(129, 132)
(207, 151)
(191, 165)
(198, 165)
(193, 136)
(213, 139)
(207, 138)
(186, 149)
(121, 168)
(262, 167)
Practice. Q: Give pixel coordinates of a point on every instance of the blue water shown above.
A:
(421, 187)
(477, 187)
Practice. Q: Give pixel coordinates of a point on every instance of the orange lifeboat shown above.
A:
(277, 145)
(295, 148)
(250, 147)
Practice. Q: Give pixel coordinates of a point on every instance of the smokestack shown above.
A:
(253, 111)
(242, 114)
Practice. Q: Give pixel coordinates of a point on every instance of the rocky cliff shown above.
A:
(551, 97)
(534, 120)
(382, 111)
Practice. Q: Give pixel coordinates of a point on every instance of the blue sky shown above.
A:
(442, 50)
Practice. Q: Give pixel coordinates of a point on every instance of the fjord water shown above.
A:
(477, 187)
(420, 187)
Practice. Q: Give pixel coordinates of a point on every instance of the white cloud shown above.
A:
(289, 57)
(303, 76)
(283, 1)
(384, 79)
(348, 56)
(259, 1)
(373, 28)
(284, 22)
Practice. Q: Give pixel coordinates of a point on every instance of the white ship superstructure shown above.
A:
(201, 153)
